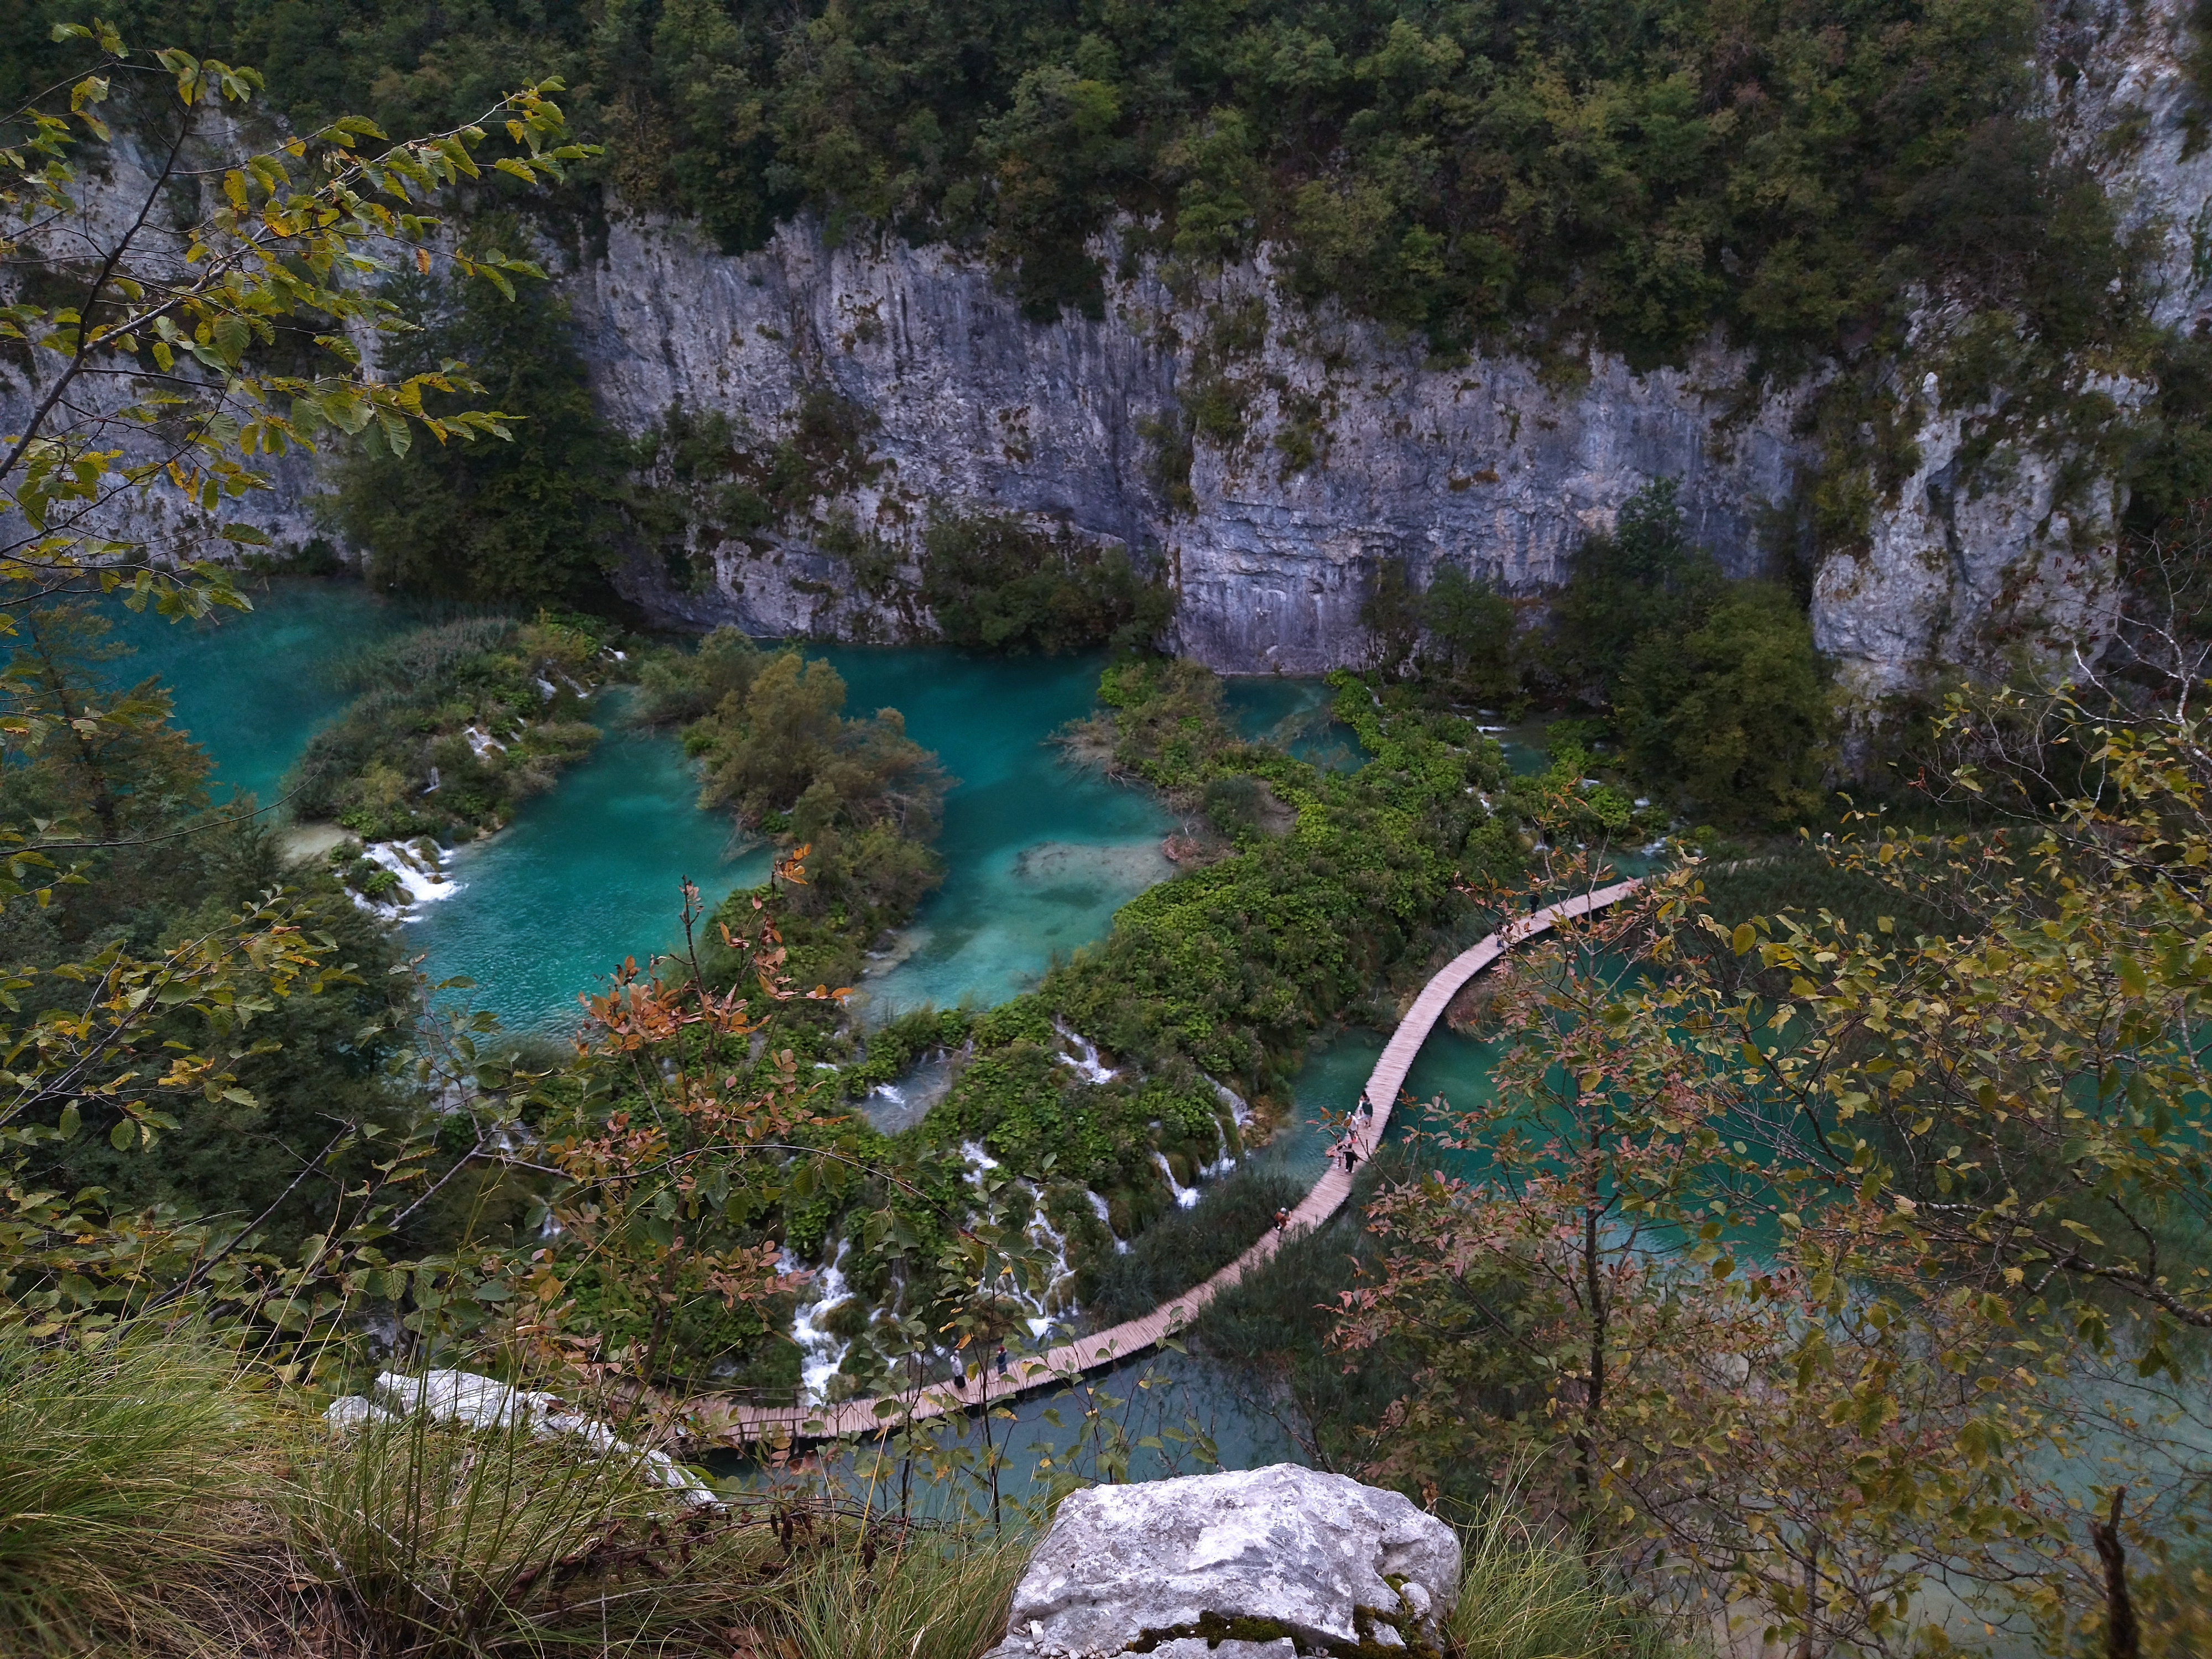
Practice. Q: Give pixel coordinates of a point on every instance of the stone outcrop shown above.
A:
(483, 1402)
(1275, 1560)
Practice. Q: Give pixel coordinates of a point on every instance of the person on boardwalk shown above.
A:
(1366, 1106)
(1000, 1357)
(1282, 1221)
(1350, 1157)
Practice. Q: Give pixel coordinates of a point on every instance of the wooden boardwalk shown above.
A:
(747, 1425)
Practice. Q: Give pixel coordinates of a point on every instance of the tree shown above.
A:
(146, 338)
(1851, 1271)
(529, 522)
(1471, 626)
(1733, 715)
(147, 334)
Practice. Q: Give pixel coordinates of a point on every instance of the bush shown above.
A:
(457, 724)
(1185, 1248)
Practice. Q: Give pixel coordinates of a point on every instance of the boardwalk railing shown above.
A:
(748, 1424)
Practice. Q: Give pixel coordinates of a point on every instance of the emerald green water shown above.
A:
(1038, 853)
(253, 686)
(588, 873)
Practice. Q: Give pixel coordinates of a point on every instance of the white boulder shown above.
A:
(484, 1402)
(1257, 1563)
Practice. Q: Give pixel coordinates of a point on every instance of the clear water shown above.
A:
(253, 686)
(1039, 853)
(588, 873)
(1294, 714)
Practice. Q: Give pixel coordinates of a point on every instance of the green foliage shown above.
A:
(153, 865)
(697, 484)
(1524, 1596)
(1184, 1247)
(238, 324)
(1230, 966)
(1714, 686)
(1644, 580)
(1456, 635)
(1732, 717)
(532, 520)
(114, 1461)
(1638, 172)
(996, 584)
(457, 725)
(776, 750)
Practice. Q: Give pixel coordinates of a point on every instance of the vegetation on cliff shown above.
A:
(1710, 689)
(1793, 176)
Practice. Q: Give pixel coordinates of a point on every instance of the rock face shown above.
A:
(1326, 447)
(1273, 1560)
(1350, 449)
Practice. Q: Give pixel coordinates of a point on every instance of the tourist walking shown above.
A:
(1001, 1358)
(1350, 1157)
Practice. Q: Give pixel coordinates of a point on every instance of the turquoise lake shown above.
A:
(1039, 853)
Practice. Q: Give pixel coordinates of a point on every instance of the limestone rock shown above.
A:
(1303, 1557)
(483, 1402)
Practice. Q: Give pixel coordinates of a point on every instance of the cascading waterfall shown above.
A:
(822, 1351)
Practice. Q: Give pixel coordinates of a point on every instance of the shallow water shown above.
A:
(252, 687)
(588, 873)
(1038, 853)
(1294, 714)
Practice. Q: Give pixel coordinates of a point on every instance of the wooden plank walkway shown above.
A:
(748, 1424)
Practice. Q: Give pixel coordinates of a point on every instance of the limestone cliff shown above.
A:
(1268, 458)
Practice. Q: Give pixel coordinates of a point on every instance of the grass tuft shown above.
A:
(113, 1460)
(928, 1597)
(437, 1539)
(1524, 1596)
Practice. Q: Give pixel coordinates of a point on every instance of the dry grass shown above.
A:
(115, 1461)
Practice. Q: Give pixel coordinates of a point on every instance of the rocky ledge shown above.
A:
(1273, 1562)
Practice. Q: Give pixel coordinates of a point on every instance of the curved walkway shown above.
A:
(749, 1424)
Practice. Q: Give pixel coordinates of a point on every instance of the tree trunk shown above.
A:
(2122, 1639)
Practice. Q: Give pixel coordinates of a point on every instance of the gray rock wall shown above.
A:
(1488, 466)
(1351, 448)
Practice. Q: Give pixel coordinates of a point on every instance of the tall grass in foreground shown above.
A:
(1523, 1595)
(112, 1460)
(438, 1538)
(926, 1596)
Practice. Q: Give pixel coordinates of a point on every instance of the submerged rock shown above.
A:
(1262, 1562)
